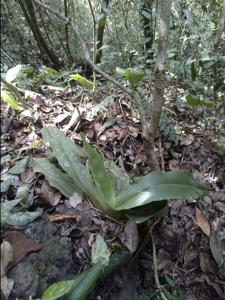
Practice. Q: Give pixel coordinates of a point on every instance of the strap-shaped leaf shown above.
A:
(143, 213)
(69, 156)
(158, 186)
(120, 178)
(55, 176)
(102, 180)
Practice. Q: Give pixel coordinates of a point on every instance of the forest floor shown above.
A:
(189, 240)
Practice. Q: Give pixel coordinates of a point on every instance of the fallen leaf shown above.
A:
(28, 176)
(130, 236)
(6, 287)
(206, 264)
(49, 194)
(217, 245)
(20, 166)
(21, 245)
(76, 117)
(220, 206)
(187, 140)
(100, 252)
(75, 199)
(202, 222)
(61, 117)
(6, 259)
(6, 256)
(35, 144)
(45, 109)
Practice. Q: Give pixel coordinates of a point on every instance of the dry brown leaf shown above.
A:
(202, 222)
(21, 245)
(130, 236)
(49, 194)
(35, 144)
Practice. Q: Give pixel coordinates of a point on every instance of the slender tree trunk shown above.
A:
(30, 16)
(217, 43)
(148, 27)
(160, 80)
(67, 32)
(101, 28)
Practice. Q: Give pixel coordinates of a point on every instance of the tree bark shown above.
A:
(30, 16)
(100, 32)
(160, 80)
(67, 32)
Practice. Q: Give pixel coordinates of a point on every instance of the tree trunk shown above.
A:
(67, 33)
(101, 28)
(29, 14)
(160, 80)
(148, 27)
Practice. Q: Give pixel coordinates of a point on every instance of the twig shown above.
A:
(161, 154)
(154, 257)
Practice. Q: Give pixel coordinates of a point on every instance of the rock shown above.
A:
(52, 263)
(41, 230)
(26, 280)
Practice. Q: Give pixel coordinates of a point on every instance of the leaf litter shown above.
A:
(190, 241)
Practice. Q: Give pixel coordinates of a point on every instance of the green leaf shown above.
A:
(9, 98)
(143, 213)
(207, 104)
(58, 290)
(101, 177)
(16, 218)
(120, 179)
(158, 186)
(102, 105)
(82, 81)
(5, 184)
(20, 167)
(6, 158)
(193, 101)
(69, 156)
(134, 75)
(22, 193)
(55, 177)
(100, 252)
(21, 218)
